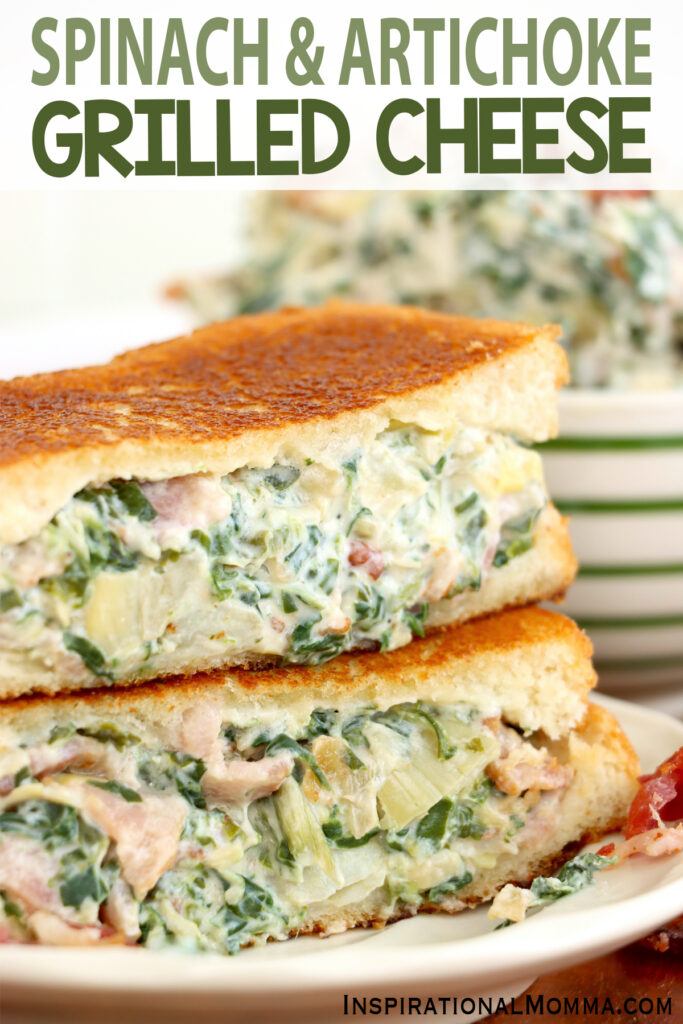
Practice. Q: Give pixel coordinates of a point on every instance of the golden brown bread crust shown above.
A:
(534, 664)
(236, 392)
(251, 372)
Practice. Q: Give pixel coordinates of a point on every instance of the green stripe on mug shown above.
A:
(591, 571)
(610, 444)
(639, 664)
(630, 622)
(625, 506)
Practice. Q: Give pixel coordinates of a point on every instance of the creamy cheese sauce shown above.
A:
(607, 267)
(233, 835)
(295, 562)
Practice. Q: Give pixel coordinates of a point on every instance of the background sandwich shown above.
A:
(281, 487)
(222, 810)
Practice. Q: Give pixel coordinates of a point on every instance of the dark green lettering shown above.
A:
(598, 161)
(309, 109)
(384, 123)
(490, 136)
(533, 136)
(71, 141)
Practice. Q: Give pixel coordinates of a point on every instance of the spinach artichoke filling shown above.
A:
(271, 829)
(293, 562)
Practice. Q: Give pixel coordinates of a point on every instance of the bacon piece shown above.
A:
(146, 833)
(444, 574)
(526, 767)
(239, 781)
(656, 842)
(199, 729)
(369, 558)
(52, 930)
(6, 784)
(233, 781)
(598, 194)
(25, 872)
(183, 501)
(121, 910)
(46, 759)
(82, 754)
(660, 797)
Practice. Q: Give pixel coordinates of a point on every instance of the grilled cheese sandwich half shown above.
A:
(277, 489)
(223, 810)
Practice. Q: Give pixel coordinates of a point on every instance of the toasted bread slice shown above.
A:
(240, 807)
(267, 388)
(530, 665)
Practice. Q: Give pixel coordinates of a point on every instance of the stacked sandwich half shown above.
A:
(221, 718)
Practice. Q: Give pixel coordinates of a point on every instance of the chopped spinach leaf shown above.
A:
(131, 496)
(166, 769)
(9, 599)
(90, 655)
(284, 742)
(321, 723)
(108, 732)
(449, 887)
(86, 885)
(434, 825)
(415, 618)
(517, 536)
(282, 477)
(128, 794)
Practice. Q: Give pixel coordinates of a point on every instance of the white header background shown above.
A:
(21, 100)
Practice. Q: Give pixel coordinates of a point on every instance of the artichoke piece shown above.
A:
(351, 783)
(302, 830)
(412, 790)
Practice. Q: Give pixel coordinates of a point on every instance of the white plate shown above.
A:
(306, 979)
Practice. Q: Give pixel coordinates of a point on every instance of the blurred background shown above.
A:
(85, 275)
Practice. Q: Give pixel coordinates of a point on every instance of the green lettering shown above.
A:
(620, 136)
(429, 26)
(362, 60)
(203, 66)
(267, 137)
(187, 167)
(635, 50)
(384, 124)
(599, 52)
(527, 51)
(475, 72)
(73, 54)
(437, 136)
(309, 109)
(129, 45)
(46, 51)
(490, 136)
(175, 39)
(154, 110)
(394, 51)
(72, 142)
(242, 50)
(102, 144)
(533, 136)
(556, 26)
(598, 161)
(225, 165)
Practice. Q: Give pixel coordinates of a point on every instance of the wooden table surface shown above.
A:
(635, 972)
